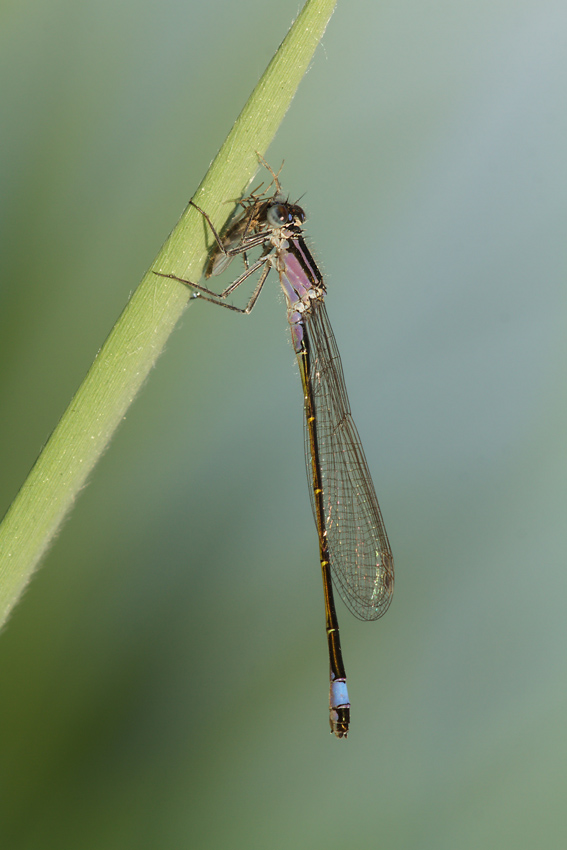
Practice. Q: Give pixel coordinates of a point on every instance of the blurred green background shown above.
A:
(164, 680)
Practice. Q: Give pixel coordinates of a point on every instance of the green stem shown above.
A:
(141, 332)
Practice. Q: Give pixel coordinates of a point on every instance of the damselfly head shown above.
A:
(282, 214)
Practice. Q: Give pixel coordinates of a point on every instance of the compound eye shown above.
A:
(279, 215)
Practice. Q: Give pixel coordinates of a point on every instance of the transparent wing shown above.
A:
(361, 559)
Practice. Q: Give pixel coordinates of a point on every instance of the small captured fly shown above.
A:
(354, 550)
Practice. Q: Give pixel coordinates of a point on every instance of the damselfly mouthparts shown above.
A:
(354, 551)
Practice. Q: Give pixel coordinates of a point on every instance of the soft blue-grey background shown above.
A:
(164, 680)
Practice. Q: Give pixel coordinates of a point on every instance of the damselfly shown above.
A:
(354, 551)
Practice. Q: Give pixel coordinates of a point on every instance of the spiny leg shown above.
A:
(275, 180)
(215, 296)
